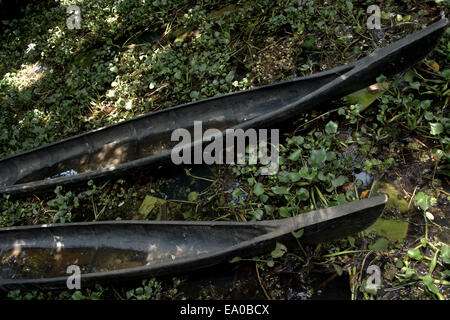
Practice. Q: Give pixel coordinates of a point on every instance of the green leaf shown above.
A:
(305, 174)
(351, 240)
(415, 254)
(298, 140)
(436, 128)
(269, 209)
(433, 262)
(380, 245)
(294, 176)
(264, 198)
(257, 214)
(339, 181)
(229, 76)
(445, 253)
(429, 282)
(446, 74)
(258, 189)
(331, 127)
(422, 200)
(338, 269)
(279, 251)
(284, 212)
(148, 205)
(294, 156)
(77, 295)
(130, 294)
(139, 291)
(409, 76)
(429, 115)
(317, 157)
(194, 94)
(349, 5)
(192, 196)
(381, 78)
(298, 234)
(235, 259)
(280, 190)
(302, 194)
(237, 192)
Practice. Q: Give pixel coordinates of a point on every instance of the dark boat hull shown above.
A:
(145, 142)
(121, 250)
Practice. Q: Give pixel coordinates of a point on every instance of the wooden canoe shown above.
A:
(145, 142)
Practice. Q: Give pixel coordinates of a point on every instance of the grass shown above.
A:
(130, 58)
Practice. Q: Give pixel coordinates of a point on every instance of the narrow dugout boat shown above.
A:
(120, 250)
(145, 142)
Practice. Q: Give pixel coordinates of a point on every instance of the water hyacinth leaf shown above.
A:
(438, 154)
(294, 156)
(339, 181)
(436, 128)
(284, 212)
(422, 200)
(264, 198)
(237, 192)
(351, 240)
(302, 194)
(148, 205)
(380, 245)
(429, 115)
(298, 140)
(298, 234)
(445, 253)
(235, 259)
(331, 127)
(340, 198)
(280, 190)
(446, 74)
(258, 189)
(229, 76)
(257, 214)
(429, 282)
(269, 209)
(77, 295)
(294, 176)
(415, 254)
(424, 242)
(305, 174)
(331, 155)
(322, 176)
(279, 251)
(283, 177)
(338, 269)
(192, 196)
(317, 157)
